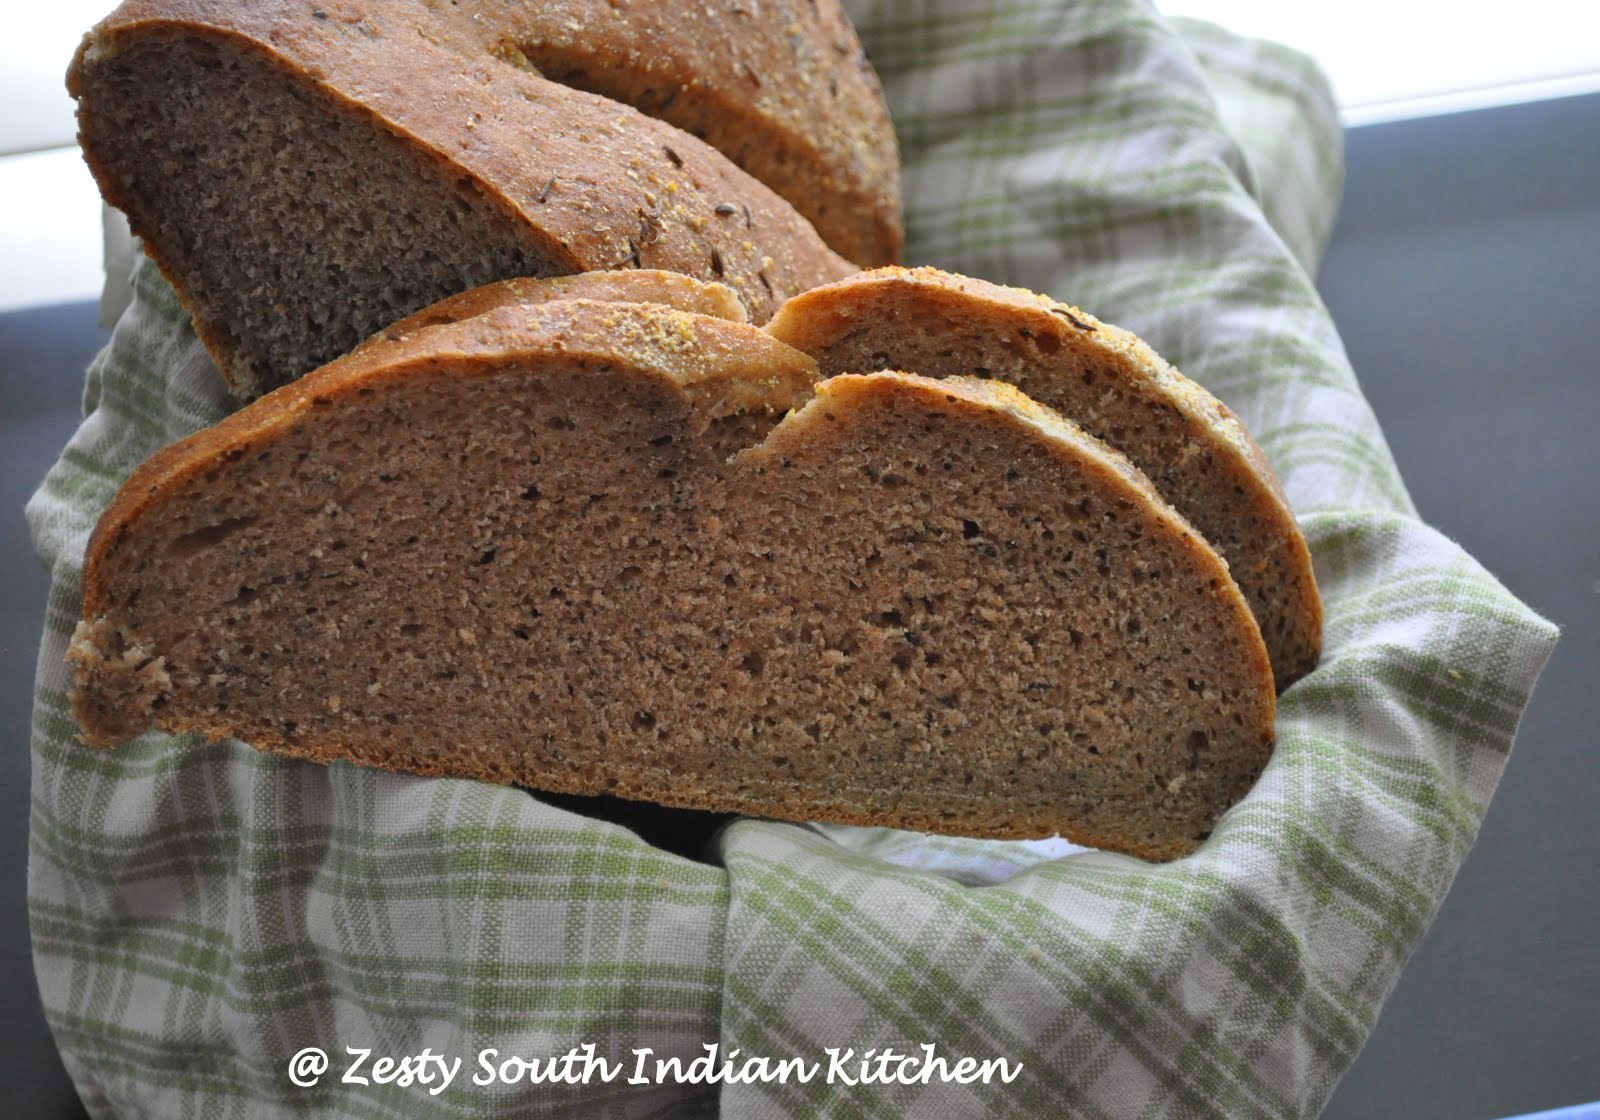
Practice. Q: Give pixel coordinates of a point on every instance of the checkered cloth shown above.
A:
(201, 915)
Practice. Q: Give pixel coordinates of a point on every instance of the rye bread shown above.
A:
(308, 174)
(1192, 447)
(517, 548)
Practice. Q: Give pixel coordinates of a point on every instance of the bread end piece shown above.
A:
(118, 683)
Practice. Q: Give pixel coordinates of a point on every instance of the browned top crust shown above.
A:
(782, 87)
(577, 181)
(1193, 448)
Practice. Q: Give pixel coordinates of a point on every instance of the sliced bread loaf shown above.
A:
(308, 174)
(1191, 446)
(516, 548)
(781, 87)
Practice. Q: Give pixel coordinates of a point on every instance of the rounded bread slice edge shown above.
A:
(721, 366)
(1285, 600)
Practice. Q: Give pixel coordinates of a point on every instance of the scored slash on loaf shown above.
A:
(524, 545)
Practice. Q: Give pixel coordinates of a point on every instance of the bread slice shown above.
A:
(306, 175)
(516, 548)
(781, 87)
(1191, 446)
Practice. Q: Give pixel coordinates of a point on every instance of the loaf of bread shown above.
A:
(307, 173)
(1190, 445)
(519, 546)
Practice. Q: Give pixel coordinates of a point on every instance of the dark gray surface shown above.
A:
(1463, 274)
(43, 354)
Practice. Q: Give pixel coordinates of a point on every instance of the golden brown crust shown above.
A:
(783, 88)
(1198, 453)
(604, 187)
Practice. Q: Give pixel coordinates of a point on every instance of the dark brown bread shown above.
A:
(308, 174)
(516, 548)
(1192, 447)
(781, 87)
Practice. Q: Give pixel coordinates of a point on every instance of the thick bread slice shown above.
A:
(782, 87)
(1191, 446)
(515, 548)
(308, 174)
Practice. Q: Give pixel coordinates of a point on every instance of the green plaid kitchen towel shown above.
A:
(204, 915)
